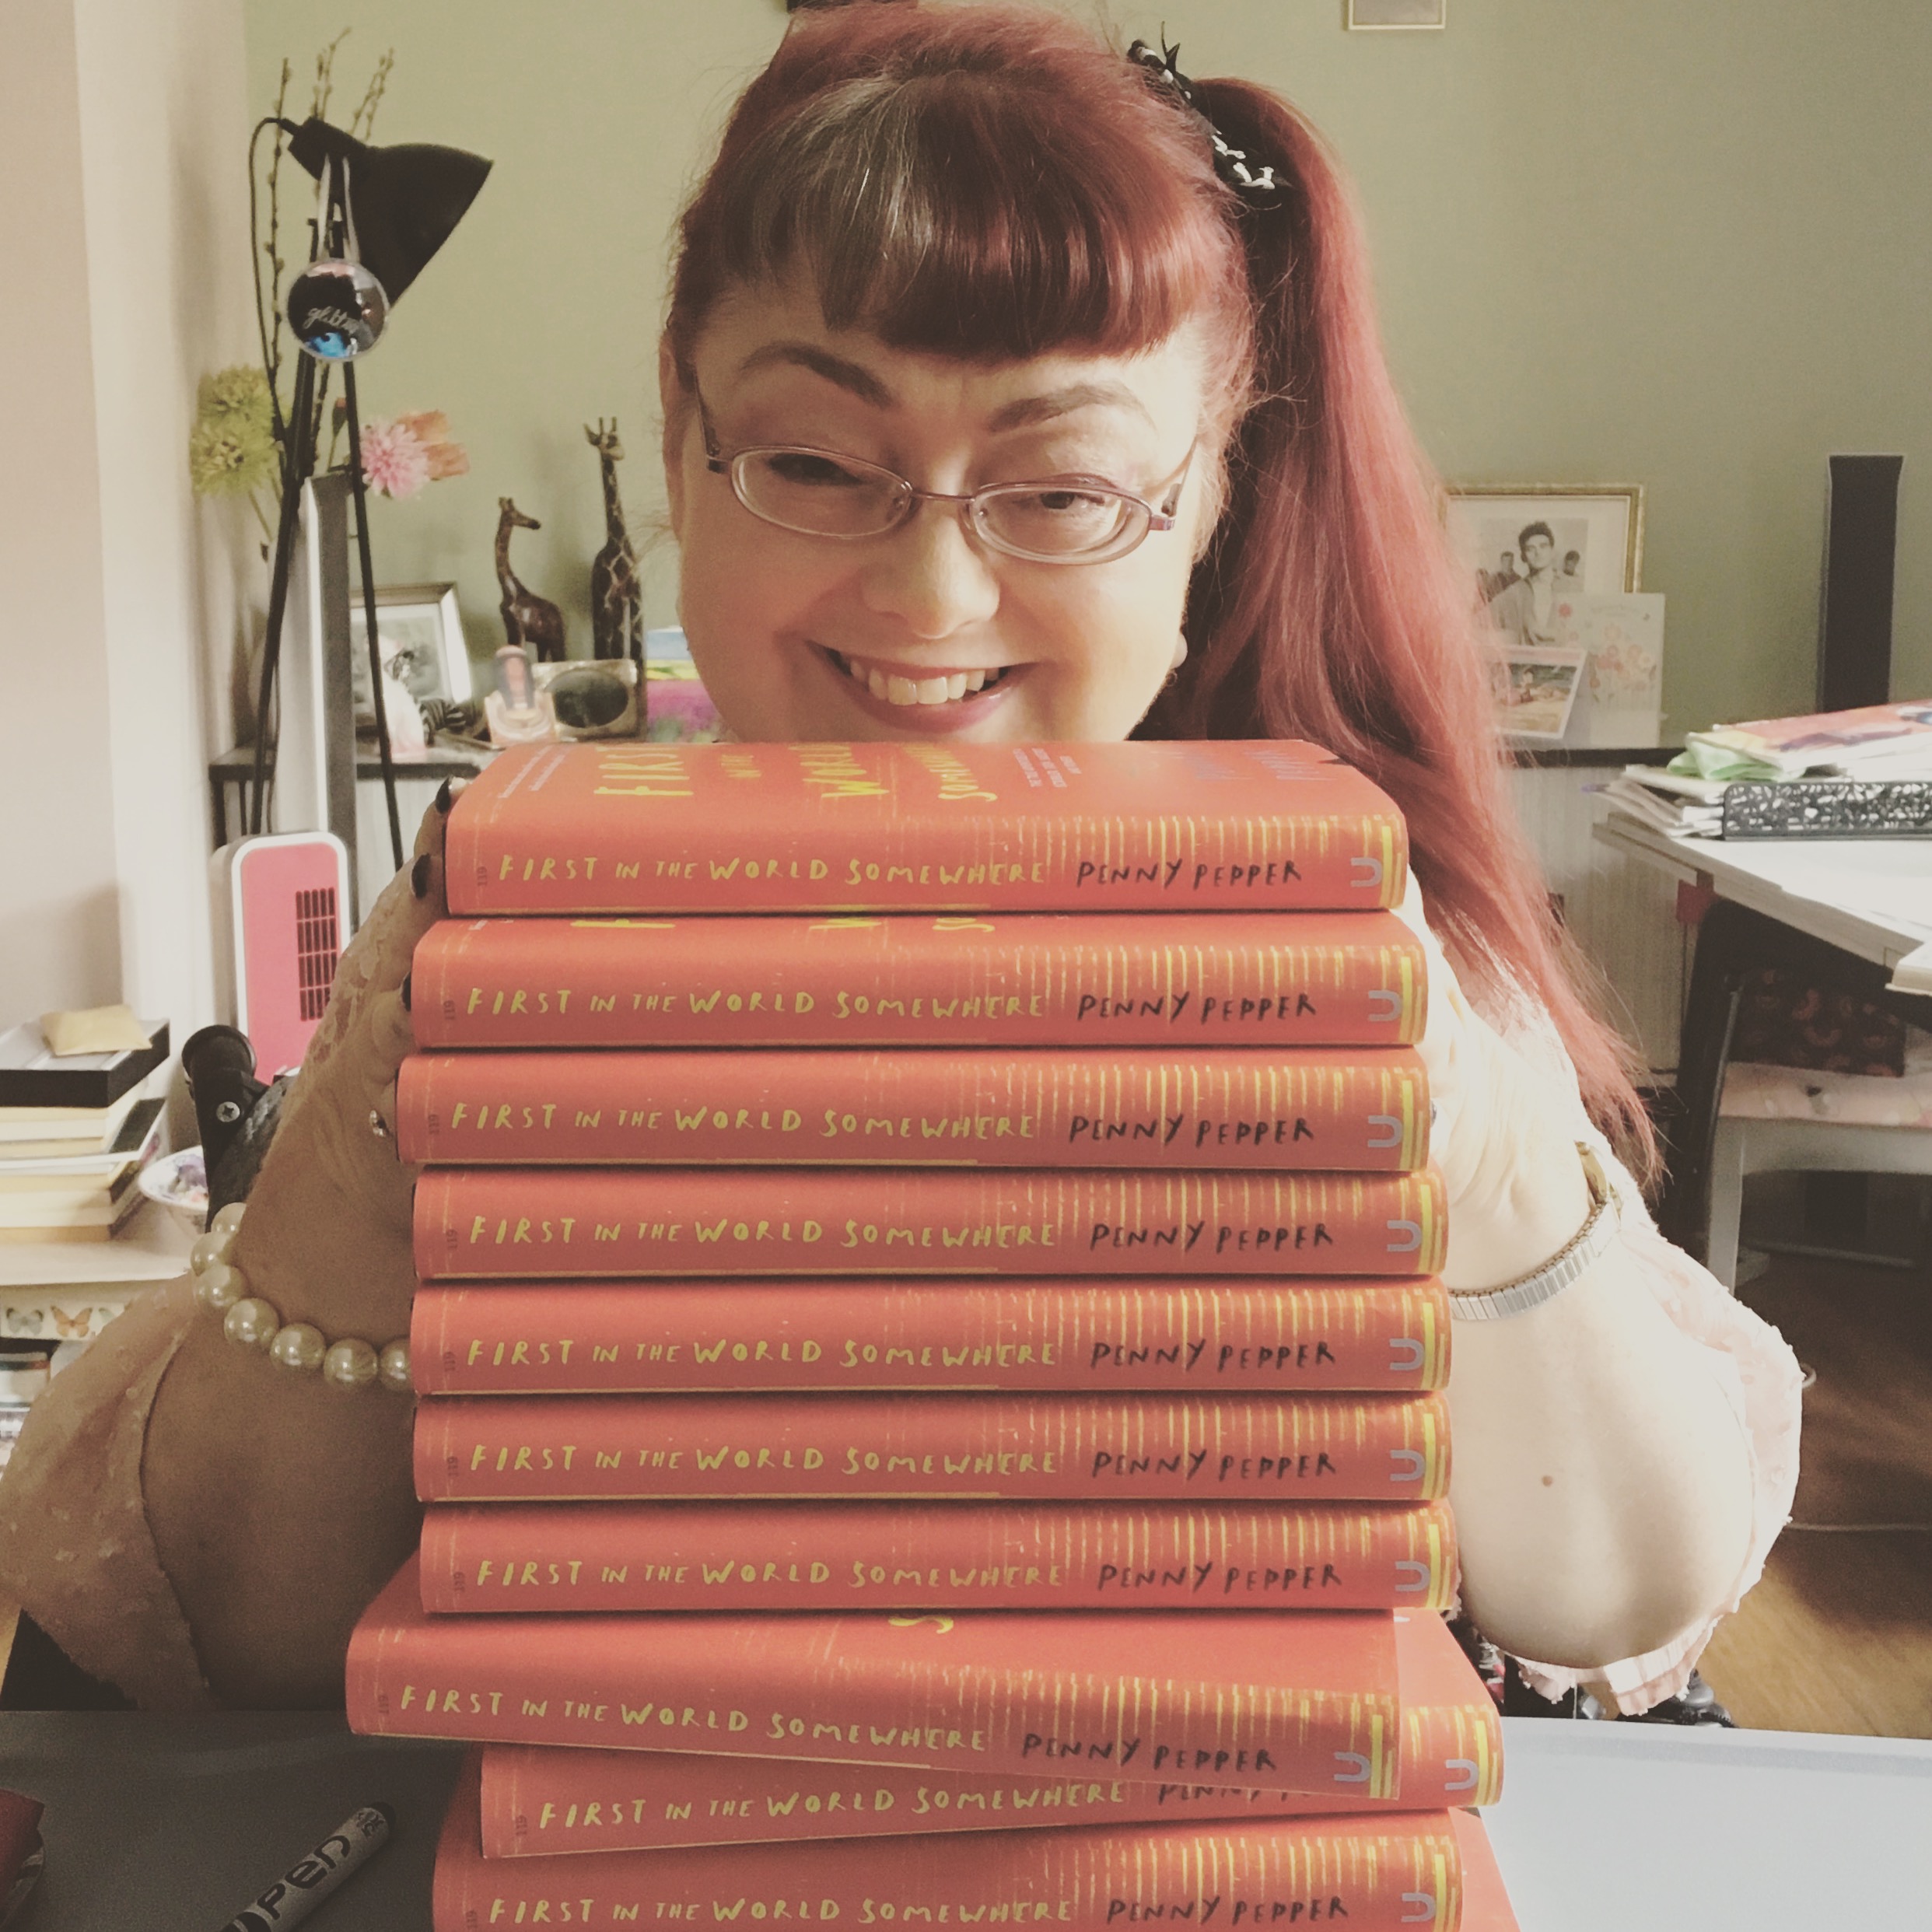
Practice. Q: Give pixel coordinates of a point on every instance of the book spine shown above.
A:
(565, 833)
(1151, 979)
(1074, 1333)
(742, 1556)
(710, 1686)
(1311, 1108)
(1243, 1449)
(1375, 1873)
(1452, 1753)
(539, 1802)
(686, 1221)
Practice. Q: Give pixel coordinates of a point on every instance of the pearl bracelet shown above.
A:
(246, 1319)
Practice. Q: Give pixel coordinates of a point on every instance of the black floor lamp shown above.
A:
(383, 213)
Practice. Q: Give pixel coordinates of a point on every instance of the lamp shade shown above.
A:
(405, 201)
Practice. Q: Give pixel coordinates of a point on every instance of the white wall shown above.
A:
(124, 220)
(59, 920)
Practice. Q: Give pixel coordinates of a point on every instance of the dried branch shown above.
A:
(325, 77)
(271, 248)
(364, 125)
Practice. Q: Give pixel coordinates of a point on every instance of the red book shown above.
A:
(1247, 1695)
(1378, 1872)
(537, 1338)
(1196, 826)
(1037, 1107)
(1124, 1448)
(541, 1801)
(658, 1556)
(1022, 979)
(588, 1221)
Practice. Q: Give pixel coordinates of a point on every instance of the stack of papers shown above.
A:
(1668, 801)
(1876, 741)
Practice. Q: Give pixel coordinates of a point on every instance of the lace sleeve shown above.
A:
(1754, 1367)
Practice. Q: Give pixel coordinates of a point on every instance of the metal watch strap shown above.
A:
(1591, 1242)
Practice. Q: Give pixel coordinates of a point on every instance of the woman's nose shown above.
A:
(931, 575)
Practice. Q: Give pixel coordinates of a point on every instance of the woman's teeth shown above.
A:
(947, 688)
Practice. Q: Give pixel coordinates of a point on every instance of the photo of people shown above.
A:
(1525, 596)
(1527, 549)
(1535, 690)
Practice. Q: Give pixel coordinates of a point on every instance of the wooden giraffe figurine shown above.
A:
(616, 613)
(532, 623)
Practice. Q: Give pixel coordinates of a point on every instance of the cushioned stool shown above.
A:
(1786, 1119)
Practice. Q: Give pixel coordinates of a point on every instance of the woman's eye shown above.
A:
(807, 466)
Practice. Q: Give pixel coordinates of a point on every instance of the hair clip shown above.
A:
(1230, 163)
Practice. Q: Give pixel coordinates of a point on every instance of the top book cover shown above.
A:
(1211, 826)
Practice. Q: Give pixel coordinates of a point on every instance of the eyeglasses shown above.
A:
(1076, 519)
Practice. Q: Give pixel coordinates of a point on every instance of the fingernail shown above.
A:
(445, 797)
(407, 978)
(419, 877)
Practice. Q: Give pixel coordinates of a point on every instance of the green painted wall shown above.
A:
(1617, 241)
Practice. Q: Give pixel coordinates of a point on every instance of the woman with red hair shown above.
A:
(1016, 389)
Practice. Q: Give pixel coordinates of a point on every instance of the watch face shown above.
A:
(337, 311)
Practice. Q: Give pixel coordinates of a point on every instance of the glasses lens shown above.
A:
(1060, 521)
(821, 494)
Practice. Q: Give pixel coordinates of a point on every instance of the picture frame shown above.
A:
(1379, 16)
(1602, 523)
(422, 632)
(1535, 692)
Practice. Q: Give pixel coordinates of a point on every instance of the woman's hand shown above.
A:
(327, 1235)
(1506, 1149)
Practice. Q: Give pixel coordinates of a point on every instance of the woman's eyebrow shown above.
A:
(1060, 402)
(852, 376)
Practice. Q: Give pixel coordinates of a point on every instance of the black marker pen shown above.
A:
(309, 1880)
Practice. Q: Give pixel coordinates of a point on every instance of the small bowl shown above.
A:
(179, 1182)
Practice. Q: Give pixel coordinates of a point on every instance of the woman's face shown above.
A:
(802, 637)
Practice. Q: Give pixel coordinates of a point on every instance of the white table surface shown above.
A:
(1871, 897)
(1650, 1828)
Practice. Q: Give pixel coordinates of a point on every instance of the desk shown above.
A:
(171, 1825)
(1870, 896)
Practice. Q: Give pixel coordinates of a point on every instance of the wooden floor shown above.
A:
(1838, 1636)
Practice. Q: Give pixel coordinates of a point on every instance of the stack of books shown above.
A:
(930, 1360)
(75, 1134)
(1866, 773)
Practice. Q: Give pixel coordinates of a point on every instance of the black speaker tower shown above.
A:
(1861, 533)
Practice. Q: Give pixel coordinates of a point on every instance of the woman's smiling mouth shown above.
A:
(907, 685)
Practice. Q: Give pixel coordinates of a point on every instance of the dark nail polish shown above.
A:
(419, 877)
(445, 797)
(407, 978)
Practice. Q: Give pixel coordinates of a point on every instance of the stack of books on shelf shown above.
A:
(930, 1363)
(75, 1134)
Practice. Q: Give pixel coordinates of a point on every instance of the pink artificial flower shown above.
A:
(394, 462)
(445, 456)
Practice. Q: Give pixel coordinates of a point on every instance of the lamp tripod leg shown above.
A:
(359, 489)
(297, 464)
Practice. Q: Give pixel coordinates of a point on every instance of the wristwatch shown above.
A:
(1570, 1263)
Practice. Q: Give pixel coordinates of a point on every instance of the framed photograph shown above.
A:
(421, 635)
(1535, 691)
(1366, 14)
(1526, 547)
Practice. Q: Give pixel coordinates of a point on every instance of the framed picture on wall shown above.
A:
(1525, 546)
(421, 634)
(1366, 15)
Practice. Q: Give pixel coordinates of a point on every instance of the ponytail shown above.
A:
(1327, 605)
